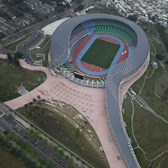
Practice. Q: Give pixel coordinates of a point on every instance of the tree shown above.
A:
(27, 162)
(28, 150)
(39, 97)
(55, 148)
(36, 134)
(166, 62)
(77, 1)
(80, 7)
(45, 141)
(12, 2)
(132, 18)
(71, 160)
(31, 131)
(16, 61)
(6, 132)
(159, 57)
(9, 57)
(163, 33)
(10, 115)
(12, 150)
(60, 152)
(82, 166)
(42, 162)
(2, 35)
(18, 55)
(49, 165)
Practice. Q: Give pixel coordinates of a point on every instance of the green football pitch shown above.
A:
(101, 53)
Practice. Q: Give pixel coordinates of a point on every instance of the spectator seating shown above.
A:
(69, 67)
(117, 28)
(103, 78)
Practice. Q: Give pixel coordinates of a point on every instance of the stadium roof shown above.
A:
(49, 29)
(117, 75)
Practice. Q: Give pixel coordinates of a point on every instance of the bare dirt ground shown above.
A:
(89, 101)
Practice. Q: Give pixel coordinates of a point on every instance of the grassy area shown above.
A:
(150, 132)
(141, 159)
(127, 117)
(44, 62)
(101, 53)
(159, 105)
(35, 58)
(164, 163)
(148, 93)
(47, 38)
(62, 122)
(13, 45)
(7, 160)
(162, 85)
(12, 77)
(46, 52)
(153, 130)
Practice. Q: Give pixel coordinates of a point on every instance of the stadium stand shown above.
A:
(103, 79)
(87, 28)
(69, 67)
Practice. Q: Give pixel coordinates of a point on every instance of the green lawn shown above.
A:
(46, 52)
(12, 77)
(164, 163)
(7, 160)
(13, 45)
(35, 58)
(153, 130)
(150, 132)
(47, 38)
(162, 85)
(101, 53)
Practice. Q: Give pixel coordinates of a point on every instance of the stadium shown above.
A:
(100, 50)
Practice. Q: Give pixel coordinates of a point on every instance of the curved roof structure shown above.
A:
(117, 75)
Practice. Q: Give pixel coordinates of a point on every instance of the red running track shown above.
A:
(95, 68)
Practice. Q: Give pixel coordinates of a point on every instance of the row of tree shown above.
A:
(22, 151)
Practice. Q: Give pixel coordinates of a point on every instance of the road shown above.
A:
(46, 153)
